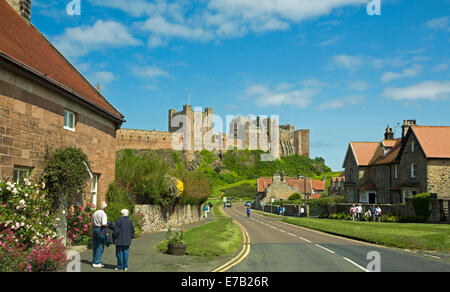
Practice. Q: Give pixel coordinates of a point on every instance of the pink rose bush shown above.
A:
(28, 229)
(79, 226)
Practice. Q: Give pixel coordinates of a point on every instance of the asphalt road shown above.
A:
(280, 247)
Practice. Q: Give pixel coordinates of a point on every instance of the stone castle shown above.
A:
(245, 133)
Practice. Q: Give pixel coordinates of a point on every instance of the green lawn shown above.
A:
(218, 238)
(430, 237)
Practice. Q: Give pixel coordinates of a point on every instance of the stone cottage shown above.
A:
(45, 104)
(281, 187)
(392, 170)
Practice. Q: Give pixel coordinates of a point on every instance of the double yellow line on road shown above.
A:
(242, 254)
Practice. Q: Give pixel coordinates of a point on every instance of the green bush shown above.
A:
(295, 196)
(421, 203)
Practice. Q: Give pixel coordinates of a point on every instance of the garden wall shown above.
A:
(159, 218)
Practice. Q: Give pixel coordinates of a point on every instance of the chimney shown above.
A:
(22, 7)
(389, 134)
(406, 125)
(98, 87)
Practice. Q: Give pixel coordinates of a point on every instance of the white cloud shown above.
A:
(342, 102)
(103, 77)
(160, 27)
(349, 62)
(428, 90)
(150, 72)
(81, 40)
(441, 23)
(358, 86)
(213, 20)
(440, 68)
(282, 94)
(407, 72)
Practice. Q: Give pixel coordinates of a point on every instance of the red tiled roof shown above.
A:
(22, 42)
(319, 185)
(434, 140)
(379, 159)
(264, 182)
(364, 151)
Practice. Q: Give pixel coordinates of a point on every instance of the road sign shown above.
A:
(224, 199)
(272, 200)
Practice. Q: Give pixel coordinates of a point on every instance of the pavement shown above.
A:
(145, 257)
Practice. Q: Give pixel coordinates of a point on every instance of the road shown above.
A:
(276, 246)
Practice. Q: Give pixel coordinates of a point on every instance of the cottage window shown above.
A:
(69, 120)
(20, 173)
(94, 188)
(395, 171)
(412, 146)
(413, 170)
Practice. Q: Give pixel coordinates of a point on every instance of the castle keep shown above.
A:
(245, 133)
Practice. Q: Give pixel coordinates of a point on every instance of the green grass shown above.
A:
(218, 238)
(426, 237)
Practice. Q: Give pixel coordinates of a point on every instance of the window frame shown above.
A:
(413, 170)
(19, 170)
(67, 114)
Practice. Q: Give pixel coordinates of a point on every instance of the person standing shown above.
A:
(278, 210)
(248, 211)
(358, 212)
(205, 209)
(99, 222)
(122, 237)
(284, 211)
(302, 212)
(373, 211)
(378, 213)
(353, 212)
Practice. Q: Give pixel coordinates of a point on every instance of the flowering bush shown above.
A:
(79, 226)
(26, 210)
(49, 256)
(13, 256)
(174, 238)
(28, 229)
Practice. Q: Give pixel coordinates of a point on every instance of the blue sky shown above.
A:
(323, 65)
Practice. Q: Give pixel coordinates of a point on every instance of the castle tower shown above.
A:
(23, 7)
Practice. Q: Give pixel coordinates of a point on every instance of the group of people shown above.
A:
(373, 213)
(123, 233)
(281, 210)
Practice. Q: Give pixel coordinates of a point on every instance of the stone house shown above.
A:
(336, 187)
(281, 187)
(45, 104)
(392, 170)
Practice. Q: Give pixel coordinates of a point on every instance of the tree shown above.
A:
(65, 175)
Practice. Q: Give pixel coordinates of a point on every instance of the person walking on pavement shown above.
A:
(278, 210)
(99, 222)
(248, 211)
(122, 237)
(205, 209)
(373, 211)
(284, 211)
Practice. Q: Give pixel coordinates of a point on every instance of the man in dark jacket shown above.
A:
(122, 237)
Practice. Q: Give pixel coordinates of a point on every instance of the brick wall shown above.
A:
(32, 121)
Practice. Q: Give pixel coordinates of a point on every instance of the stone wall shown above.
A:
(438, 179)
(159, 218)
(32, 122)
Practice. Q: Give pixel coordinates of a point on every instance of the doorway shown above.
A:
(372, 198)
